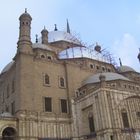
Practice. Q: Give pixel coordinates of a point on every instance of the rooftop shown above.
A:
(109, 76)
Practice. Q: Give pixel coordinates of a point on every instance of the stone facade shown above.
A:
(49, 97)
(107, 104)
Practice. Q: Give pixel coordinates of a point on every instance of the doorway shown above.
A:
(9, 133)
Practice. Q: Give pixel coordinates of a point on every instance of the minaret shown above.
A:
(139, 55)
(24, 42)
(55, 27)
(68, 27)
(120, 62)
(44, 34)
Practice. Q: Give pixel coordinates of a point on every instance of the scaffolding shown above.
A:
(92, 51)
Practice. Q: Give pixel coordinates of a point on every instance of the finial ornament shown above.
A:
(55, 29)
(36, 38)
(139, 55)
(120, 61)
(97, 48)
(68, 27)
(25, 10)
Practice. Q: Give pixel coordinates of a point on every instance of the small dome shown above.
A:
(44, 30)
(125, 69)
(102, 77)
(62, 36)
(97, 48)
(6, 114)
(109, 76)
(41, 46)
(25, 15)
(7, 67)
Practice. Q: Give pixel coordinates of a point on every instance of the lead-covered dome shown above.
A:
(54, 36)
(109, 76)
(125, 69)
(25, 15)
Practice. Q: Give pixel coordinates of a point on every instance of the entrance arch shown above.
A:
(9, 133)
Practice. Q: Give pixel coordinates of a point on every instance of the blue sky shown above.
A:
(115, 25)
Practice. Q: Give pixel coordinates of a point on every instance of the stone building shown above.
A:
(50, 92)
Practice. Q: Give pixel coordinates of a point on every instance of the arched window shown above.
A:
(49, 58)
(91, 66)
(46, 79)
(125, 119)
(3, 97)
(6, 108)
(13, 86)
(64, 108)
(62, 82)
(48, 104)
(7, 91)
(103, 68)
(91, 123)
(42, 56)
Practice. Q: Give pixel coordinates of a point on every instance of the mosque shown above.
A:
(59, 89)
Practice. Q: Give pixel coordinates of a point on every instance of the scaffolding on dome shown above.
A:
(92, 52)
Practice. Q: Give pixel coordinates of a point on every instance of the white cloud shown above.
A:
(127, 49)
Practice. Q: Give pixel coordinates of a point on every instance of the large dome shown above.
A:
(109, 76)
(125, 69)
(54, 36)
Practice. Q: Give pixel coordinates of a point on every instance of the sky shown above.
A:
(115, 25)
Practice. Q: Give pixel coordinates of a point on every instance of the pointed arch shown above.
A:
(62, 82)
(46, 79)
(91, 122)
(9, 133)
(125, 119)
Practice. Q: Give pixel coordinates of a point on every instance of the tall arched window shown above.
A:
(62, 82)
(7, 91)
(46, 79)
(13, 86)
(91, 123)
(125, 119)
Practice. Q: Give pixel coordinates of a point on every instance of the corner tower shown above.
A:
(24, 42)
